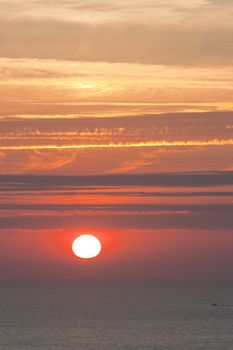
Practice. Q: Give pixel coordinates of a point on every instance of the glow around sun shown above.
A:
(86, 246)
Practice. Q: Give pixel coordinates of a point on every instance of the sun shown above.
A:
(86, 246)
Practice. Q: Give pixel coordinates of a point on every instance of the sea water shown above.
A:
(116, 316)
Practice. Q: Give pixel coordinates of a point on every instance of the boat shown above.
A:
(215, 304)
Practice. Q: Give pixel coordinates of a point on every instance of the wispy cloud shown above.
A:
(133, 43)
(171, 12)
(193, 143)
(42, 211)
(199, 221)
(49, 160)
(146, 143)
(188, 179)
(52, 89)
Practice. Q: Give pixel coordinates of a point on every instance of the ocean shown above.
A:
(116, 316)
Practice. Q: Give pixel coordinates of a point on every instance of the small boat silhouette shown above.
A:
(226, 305)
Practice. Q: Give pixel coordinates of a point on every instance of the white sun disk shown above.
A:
(86, 246)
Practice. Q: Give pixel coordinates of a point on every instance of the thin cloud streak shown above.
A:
(121, 208)
(206, 220)
(192, 143)
(46, 182)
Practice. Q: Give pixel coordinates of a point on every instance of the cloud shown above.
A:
(149, 12)
(134, 164)
(102, 191)
(40, 211)
(163, 143)
(47, 161)
(204, 221)
(195, 179)
(46, 89)
(146, 143)
(2, 155)
(114, 42)
(9, 73)
(152, 133)
(149, 32)
(123, 209)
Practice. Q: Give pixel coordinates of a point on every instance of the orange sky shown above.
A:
(92, 88)
(63, 63)
(152, 227)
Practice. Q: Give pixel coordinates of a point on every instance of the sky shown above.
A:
(136, 97)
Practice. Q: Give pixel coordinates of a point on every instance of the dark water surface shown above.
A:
(116, 316)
